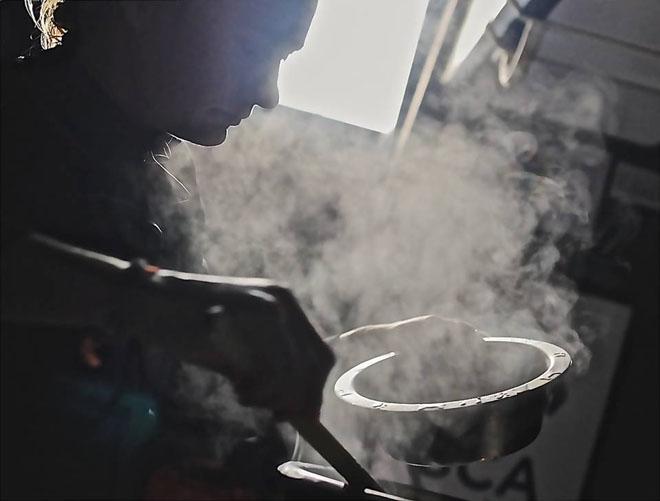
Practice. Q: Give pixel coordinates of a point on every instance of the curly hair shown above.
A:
(44, 20)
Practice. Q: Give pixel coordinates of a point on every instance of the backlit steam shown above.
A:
(471, 222)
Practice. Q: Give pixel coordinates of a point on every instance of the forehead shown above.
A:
(278, 20)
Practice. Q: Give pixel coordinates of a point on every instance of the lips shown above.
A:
(218, 115)
(238, 120)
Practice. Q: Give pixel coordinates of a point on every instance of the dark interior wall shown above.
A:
(625, 462)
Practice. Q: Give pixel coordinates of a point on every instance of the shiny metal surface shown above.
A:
(558, 362)
(426, 406)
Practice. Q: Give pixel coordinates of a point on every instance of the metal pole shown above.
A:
(425, 75)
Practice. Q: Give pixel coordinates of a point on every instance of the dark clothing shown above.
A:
(72, 168)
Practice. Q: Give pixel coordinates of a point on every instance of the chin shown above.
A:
(203, 138)
(210, 139)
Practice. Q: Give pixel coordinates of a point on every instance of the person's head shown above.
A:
(188, 67)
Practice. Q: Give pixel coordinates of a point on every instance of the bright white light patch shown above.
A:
(480, 13)
(356, 62)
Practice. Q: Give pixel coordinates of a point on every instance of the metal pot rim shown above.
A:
(558, 361)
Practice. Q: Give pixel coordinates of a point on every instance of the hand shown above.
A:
(251, 330)
(270, 350)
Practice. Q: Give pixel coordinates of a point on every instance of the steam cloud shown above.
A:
(473, 221)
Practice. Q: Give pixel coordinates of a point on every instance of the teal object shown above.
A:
(107, 431)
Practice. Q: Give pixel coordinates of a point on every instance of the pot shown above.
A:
(436, 391)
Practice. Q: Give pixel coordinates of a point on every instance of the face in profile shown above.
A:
(196, 67)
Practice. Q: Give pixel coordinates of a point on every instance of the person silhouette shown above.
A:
(84, 118)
